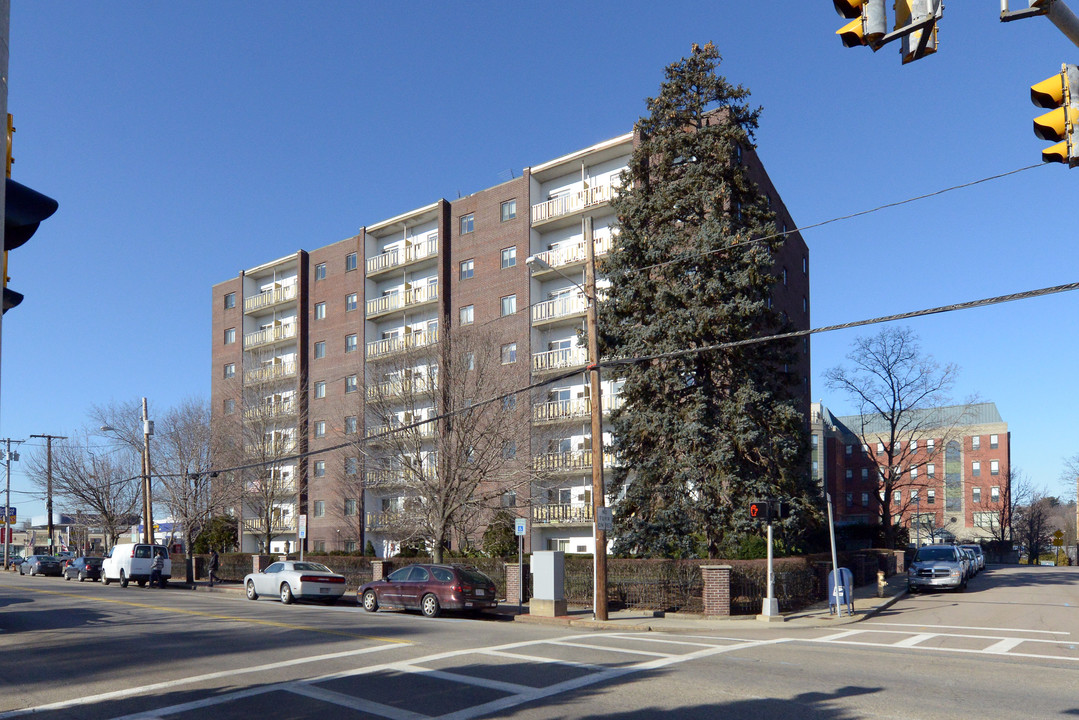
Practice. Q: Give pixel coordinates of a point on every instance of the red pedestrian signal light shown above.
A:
(760, 510)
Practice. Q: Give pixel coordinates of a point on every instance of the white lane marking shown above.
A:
(538, 659)
(168, 684)
(915, 639)
(1051, 641)
(969, 627)
(839, 635)
(642, 638)
(511, 688)
(963, 650)
(1005, 645)
(354, 703)
(606, 648)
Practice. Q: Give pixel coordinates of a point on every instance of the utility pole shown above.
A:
(598, 493)
(48, 475)
(147, 501)
(8, 457)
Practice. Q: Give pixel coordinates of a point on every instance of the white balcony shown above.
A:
(575, 409)
(256, 526)
(401, 387)
(559, 359)
(572, 461)
(401, 343)
(270, 335)
(412, 297)
(399, 257)
(269, 298)
(272, 410)
(574, 254)
(558, 514)
(385, 520)
(425, 430)
(269, 373)
(571, 203)
(567, 306)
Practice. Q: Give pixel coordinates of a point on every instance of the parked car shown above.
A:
(978, 554)
(937, 567)
(296, 580)
(430, 589)
(83, 568)
(40, 565)
(132, 561)
(972, 561)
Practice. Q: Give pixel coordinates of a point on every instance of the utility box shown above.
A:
(548, 583)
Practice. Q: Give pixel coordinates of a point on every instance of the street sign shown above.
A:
(9, 512)
(520, 526)
(302, 527)
(1058, 538)
(605, 519)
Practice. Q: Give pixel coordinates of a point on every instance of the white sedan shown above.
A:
(296, 580)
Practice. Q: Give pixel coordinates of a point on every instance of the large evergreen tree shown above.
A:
(702, 434)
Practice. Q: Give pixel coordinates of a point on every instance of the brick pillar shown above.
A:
(514, 581)
(717, 590)
(380, 569)
(900, 561)
(261, 562)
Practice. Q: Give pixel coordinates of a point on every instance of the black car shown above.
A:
(83, 568)
(40, 565)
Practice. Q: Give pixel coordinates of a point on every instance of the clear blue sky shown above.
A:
(186, 141)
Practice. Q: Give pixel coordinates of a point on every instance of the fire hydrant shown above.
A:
(881, 584)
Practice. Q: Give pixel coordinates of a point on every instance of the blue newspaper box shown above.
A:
(844, 593)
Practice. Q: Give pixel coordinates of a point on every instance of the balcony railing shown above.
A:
(276, 449)
(269, 335)
(404, 387)
(269, 298)
(572, 203)
(559, 359)
(423, 430)
(269, 373)
(576, 253)
(576, 408)
(385, 520)
(571, 461)
(402, 256)
(562, 514)
(258, 525)
(400, 300)
(396, 478)
(401, 343)
(561, 307)
(271, 410)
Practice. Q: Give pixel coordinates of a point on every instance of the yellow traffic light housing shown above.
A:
(1061, 93)
(867, 22)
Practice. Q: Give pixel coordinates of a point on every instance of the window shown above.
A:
(929, 446)
(230, 301)
(509, 450)
(976, 469)
(865, 448)
(230, 370)
(467, 314)
(351, 343)
(320, 272)
(320, 428)
(931, 470)
(509, 499)
(229, 406)
(352, 425)
(469, 361)
(914, 446)
(351, 301)
(320, 389)
(320, 546)
(849, 449)
(320, 468)
(913, 495)
(976, 495)
(351, 384)
(784, 276)
(509, 353)
(985, 520)
(509, 257)
(230, 336)
(319, 508)
(468, 268)
(865, 473)
(351, 507)
(468, 223)
(352, 466)
(350, 262)
(994, 441)
(320, 349)
(509, 210)
(814, 441)
(880, 448)
(509, 305)
(865, 499)
(850, 499)
(509, 403)
(931, 497)
(994, 467)
(850, 474)
(994, 494)
(320, 311)
(913, 473)
(897, 496)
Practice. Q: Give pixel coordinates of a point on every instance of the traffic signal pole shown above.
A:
(770, 607)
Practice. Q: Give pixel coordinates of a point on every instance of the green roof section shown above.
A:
(947, 416)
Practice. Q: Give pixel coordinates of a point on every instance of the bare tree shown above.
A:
(442, 436)
(184, 467)
(103, 485)
(1032, 525)
(899, 392)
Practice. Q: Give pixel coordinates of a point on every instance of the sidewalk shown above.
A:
(866, 604)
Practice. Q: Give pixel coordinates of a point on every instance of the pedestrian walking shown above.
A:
(214, 562)
(156, 567)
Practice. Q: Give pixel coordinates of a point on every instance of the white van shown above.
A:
(131, 561)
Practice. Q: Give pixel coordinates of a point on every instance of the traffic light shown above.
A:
(867, 22)
(921, 42)
(1060, 92)
(761, 510)
(23, 212)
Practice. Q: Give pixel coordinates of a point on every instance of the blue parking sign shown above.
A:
(520, 526)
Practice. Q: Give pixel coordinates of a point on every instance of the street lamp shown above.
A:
(534, 262)
(147, 500)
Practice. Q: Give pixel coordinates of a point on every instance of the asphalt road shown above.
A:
(1007, 648)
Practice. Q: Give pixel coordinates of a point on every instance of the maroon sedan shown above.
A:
(430, 589)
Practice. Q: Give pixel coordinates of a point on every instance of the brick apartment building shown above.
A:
(956, 471)
(306, 345)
